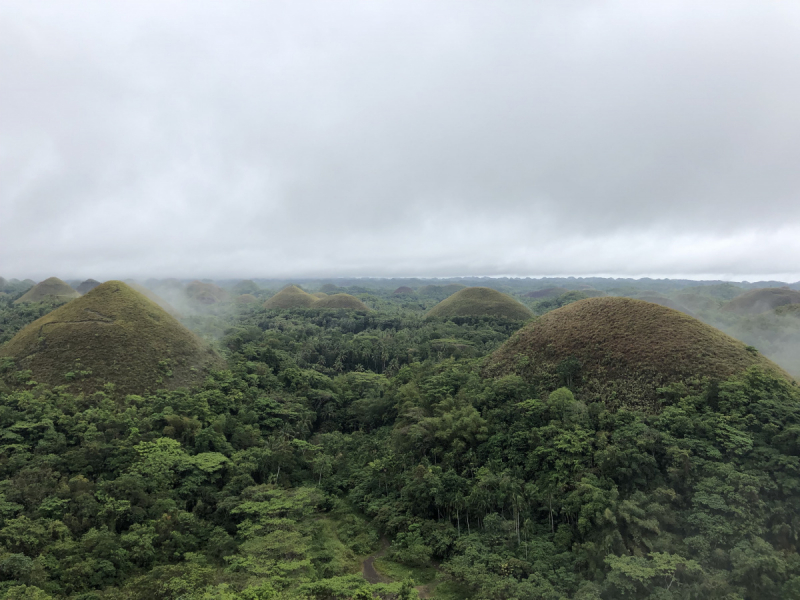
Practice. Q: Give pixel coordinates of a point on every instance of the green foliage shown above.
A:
(334, 437)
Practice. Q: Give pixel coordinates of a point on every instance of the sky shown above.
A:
(408, 138)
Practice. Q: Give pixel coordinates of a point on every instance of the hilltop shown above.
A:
(403, 289)
(341, 301)
(291, 297)
(115, 335)
(205, 293)
(762, 300)
(49, 288)
(87, 285)
(246, 286)
(246, 299)
(621, 348)
(664, 301)
(481, 302)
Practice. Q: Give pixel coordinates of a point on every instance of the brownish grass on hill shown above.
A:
(664, 301)
(762, 300)
(403, 289)
(205, 293)
(291, 297)
(480, 302)
(319, 295)
(115, 335)
(341, 301)
(626, 349)
(52, 288)
(246, 299)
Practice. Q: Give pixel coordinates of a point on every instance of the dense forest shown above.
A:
(336, 453)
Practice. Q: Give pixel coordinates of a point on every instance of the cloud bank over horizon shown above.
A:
(318, 139)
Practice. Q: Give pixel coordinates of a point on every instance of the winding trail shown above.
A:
(368, 570)
(371, 574)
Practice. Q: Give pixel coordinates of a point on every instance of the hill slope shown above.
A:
(341, 301)
(762, 300)
(480, 302)
(49, 288)
(625, 348)
(291, 297)
(116, 334)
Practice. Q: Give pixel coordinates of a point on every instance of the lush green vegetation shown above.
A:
(334, 443)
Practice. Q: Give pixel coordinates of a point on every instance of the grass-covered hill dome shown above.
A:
(341, 301)
(246, 286)
(115, 335)
(762, 300)
(291, 297)
(52, 288)
(620, 350)
(481, 302)
(246, 299)
(86, 286)
(403, 290)
(319, 295)
(205, 292)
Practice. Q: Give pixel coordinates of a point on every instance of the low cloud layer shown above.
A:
(411, 138)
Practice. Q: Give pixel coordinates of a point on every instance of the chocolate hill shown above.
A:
(762, 300)
(246, 286)
(87, 285)
(291, 297)
(52, 288)
(480, 302)
(115, 335)
(341, 301)
(620, 350)
(205, 293)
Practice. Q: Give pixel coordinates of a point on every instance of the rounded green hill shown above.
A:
(762, 300)
(291, 297)
(319, 295)
(246, 286)
(52, 288)
(115, 335)
(246, 299)
(87, 286)
(341, 301)
(205, 293)
(621, 350)
(481, 302)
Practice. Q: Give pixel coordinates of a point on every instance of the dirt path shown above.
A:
(368, 570)
(371, 574)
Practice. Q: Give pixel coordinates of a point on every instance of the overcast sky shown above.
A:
(228, 139)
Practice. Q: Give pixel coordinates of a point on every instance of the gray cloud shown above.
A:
(407, 138)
